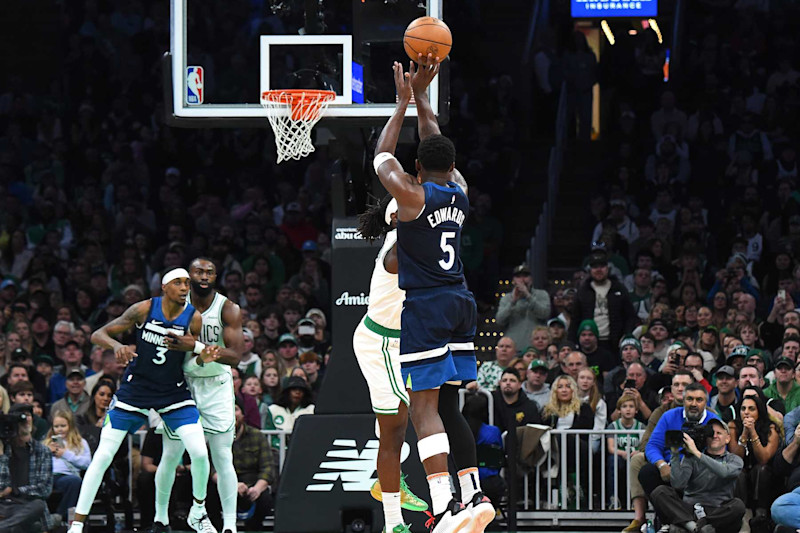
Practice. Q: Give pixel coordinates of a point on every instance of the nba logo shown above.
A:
(194, 85)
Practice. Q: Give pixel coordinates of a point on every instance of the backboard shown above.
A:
(223, 55)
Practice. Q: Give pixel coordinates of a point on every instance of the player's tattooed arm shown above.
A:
(105, 335)
(403, 186)
(232, 334)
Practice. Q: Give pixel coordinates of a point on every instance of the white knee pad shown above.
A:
(433, 445)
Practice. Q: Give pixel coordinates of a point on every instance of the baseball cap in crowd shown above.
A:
(657, 322)
(20, 354)
(538, 364)
(72, 343)
(287, 337)
(317, 312)
(589, 325)
(133, 287)
(531, 349)
(630, 340)
(173, 171)
(309, 357)
(247, 333)
(556, 322)
(310, 246)
(522, 270)
(720, 423)
(726, 369)
(292, 206)
(711, 329)
(306, 326)
(784, 361)
(598, 257)
(739, 351)
(568, 344)
(77, 372)
(619, 202)
(570, 292)
(683, 331)
(296, 382)
(7, 283)
(44, 358)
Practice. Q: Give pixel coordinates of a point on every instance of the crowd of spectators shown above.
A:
(688, 300)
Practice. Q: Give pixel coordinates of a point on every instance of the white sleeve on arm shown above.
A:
(380, 159)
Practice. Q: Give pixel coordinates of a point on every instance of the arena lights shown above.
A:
(607, 31)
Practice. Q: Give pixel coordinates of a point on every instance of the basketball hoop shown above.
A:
(292, 113)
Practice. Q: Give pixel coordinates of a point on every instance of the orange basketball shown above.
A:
(427, 35)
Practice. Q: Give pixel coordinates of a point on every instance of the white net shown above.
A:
(292, 115)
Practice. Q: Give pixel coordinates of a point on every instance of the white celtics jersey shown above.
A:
(385, 296)
(211, 334)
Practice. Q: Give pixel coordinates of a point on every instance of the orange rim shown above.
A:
(301, 100)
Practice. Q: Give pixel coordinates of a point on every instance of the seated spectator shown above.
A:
(22, 393)
(596, 355)
(26, 482)
(755, 438)
(785, 387)
(630, 350)
(621, 448)
(72, 361)
(490, 371)
(535, 385)
(250, 365)
(523, 308)
(557, 329)
(489, 446)
(271, 388)
(76, 400)
(512, 407)
(693, 413)
(706, 479)
(109, 369)
(71, 456)
(294, 402)
(570, 366)
(5, 401)
(635, 385)
(287, 355)
(151, 452)
(786, 509)
(590, 394)
(727, 395)
(250, 405)
(310, 363)
(256, 470)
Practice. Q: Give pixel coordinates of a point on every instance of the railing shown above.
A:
(537, 253)
(462, 398)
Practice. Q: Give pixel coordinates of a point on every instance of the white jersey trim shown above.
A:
(427, 354)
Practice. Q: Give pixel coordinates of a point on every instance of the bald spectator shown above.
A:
(490, 371)
(110, 369)
(635, 385)
(747, 305)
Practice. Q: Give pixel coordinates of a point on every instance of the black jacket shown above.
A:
(622, 316)
(524, 410)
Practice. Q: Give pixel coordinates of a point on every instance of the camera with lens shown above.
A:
(699, 433)
(9, 425)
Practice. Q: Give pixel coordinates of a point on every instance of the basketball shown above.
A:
(427, 35)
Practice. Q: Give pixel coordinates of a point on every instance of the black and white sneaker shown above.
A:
(158, 527)
(199, 521)
(453, 519)
(482, 513)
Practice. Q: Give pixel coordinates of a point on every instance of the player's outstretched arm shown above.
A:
(104, 336)
(205, 353)
(427, 123)
(232, 334)
(402, 186)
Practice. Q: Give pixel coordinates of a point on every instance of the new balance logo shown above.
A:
(356, 470)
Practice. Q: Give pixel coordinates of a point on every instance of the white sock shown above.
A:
(221, 447)
(75, 527)
(392, 514)
(165, 477)
(470, 484)
(439, 486)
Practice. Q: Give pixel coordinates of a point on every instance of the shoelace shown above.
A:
(431, 519)
(205, 523)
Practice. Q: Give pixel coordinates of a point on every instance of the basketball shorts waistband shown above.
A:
(380, 330)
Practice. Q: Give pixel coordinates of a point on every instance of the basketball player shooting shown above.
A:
(211, 386)
(154, 379)
(376, 343)
(438, 320)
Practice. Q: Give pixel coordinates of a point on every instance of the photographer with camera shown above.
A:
(690, 418)
(707, 480)
(26, 473)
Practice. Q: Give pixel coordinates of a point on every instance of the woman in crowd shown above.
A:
(271, 389)
(719, 304)
(540, 338)
(23, 329)
(5, 401)
(756, 439)
(71, 456)
(590, 394)
(293, 402)
(269, 359)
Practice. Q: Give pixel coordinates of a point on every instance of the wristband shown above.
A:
(380, 159)
(199, 347)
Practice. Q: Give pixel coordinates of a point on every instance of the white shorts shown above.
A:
(377, 351)
(215, 401)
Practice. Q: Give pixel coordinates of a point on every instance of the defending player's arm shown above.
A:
(232, 334)
(401, 185)
(104, 336)
(205, 353)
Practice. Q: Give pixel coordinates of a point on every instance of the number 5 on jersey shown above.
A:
(448, 249)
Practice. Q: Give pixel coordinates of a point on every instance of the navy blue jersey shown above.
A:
(428, 247)
(154, 378)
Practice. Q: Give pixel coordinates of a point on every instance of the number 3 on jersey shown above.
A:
(448, 249)
(161, 355)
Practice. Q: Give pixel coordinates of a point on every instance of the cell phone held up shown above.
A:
(630, 383)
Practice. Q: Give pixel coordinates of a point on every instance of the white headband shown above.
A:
(391, 208)
(174, 274)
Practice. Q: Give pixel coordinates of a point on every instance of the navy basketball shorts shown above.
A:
(437, 337)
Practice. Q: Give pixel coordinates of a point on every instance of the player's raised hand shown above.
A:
(210, 353)
(184, 343)
(428, 69)
(125, 353)
(402, 82)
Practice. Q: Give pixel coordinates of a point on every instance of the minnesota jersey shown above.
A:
(428, 247)
(210, 334)
(385, 297)
(154, 378)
